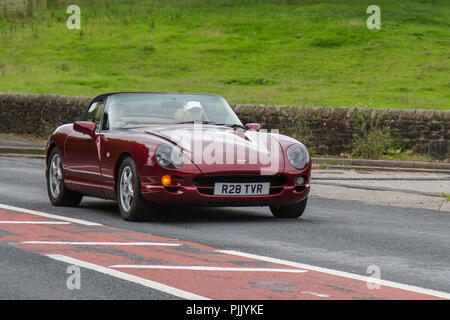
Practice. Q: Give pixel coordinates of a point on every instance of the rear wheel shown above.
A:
(57, 191)
(132, 206)
(290, 211)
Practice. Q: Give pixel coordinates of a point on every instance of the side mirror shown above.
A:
(85, 127)
(253, 126)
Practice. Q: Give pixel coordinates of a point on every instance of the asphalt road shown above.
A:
(409, 245)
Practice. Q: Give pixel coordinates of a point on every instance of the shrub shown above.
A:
(379, 143)
(373, 145)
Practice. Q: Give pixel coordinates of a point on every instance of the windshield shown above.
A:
(130, 110)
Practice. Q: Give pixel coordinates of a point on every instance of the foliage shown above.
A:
(373, 137)
(289, 52)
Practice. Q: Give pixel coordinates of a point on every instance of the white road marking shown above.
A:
(321, 295)
(104, 243)
(128, 277)
(48, 215)
(386, 283)
(34, 222)
(188, 295)
(206, 268)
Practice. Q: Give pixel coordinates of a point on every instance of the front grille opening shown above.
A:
(276, 190)
(172, 189)
(208, 191)
(205, 184)
(208, 181)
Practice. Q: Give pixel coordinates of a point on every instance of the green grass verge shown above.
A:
(260, 52)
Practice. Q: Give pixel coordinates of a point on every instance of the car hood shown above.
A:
(215, 149)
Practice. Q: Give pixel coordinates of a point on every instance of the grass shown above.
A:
(446, 196)
(408, 155)
(258, 52)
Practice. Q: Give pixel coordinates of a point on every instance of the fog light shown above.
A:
(300, 180)
(166, 180)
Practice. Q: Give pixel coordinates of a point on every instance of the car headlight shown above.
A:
(169, 157)
(298, 156)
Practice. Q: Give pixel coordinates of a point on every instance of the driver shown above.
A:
(193, 111)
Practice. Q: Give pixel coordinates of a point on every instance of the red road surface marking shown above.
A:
(99, 243)
(125, 276)
(196, 270)
(33, 222)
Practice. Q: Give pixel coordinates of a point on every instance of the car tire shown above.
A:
(132, 206)
(57, 191)
(290, 211)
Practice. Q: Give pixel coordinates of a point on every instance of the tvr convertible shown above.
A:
(151, 150)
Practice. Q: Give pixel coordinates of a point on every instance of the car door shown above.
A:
(111, 145)
(81, 156)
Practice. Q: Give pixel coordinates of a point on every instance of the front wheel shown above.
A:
(58, 193)
(132, 206)
(289, 211)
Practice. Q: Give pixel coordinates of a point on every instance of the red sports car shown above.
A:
(149, 150)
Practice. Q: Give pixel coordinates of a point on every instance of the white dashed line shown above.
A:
(207, 268)
(321, 295)
(48, 215)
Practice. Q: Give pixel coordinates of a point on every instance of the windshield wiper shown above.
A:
(213, 123)
(196, 121)
(233, 125)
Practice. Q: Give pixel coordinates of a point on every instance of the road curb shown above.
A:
(22, 151)
(378, 188)
(340, 163)
(22, 155)
(318, 163)
(374, 168)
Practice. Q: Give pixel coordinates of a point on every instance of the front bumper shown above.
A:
(191, 195)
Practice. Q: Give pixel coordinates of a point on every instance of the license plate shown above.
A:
(241, 189)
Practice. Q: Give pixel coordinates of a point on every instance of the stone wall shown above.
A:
(325, 130)
(331, 131)
(21, 6)
(12, 6)
(38, 114)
